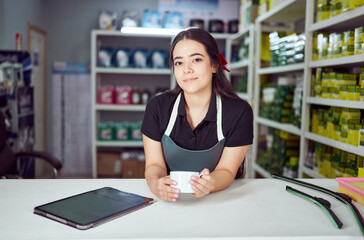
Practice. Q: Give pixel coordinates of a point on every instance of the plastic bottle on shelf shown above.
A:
(106, 95)
(135, 96)
(123, 95)
(145, 96)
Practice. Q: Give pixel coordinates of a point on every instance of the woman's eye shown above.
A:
(197, 60)
(177, 63)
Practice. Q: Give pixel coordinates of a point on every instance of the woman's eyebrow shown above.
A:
(196, 54)
(191, 55)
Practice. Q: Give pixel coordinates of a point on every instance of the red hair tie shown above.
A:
(223, 62)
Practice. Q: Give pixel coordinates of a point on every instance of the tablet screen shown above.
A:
(92, 207)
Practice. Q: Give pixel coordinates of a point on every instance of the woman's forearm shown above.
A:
(223, 179)
(225, 172)
(152, 174)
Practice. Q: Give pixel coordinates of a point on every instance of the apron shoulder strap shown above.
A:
(173, 116)
(220, 135)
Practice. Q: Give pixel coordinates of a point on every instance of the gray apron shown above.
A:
(180, 159)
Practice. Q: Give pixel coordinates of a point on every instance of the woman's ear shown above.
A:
(214, 68)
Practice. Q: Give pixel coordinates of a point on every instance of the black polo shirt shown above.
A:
(237, 123)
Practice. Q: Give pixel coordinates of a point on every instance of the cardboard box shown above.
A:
(133, 169)
(109, 164)
(248, 13)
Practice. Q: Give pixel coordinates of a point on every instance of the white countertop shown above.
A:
(248, 209)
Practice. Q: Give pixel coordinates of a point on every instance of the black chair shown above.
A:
(9, 160)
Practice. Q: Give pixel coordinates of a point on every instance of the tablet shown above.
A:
(90, 209)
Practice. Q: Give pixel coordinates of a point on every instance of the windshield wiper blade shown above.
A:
(340, 196)
(322, 203)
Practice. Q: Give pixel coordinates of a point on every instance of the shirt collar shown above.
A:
(211, 113)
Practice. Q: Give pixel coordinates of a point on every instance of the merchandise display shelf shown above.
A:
(244, 96)
(349, 61)
(312, 173)
(262, 171)
(282, 69)
(343, 22)
(287, 11)
(335, 144)
(281, 126)
(148, 71)
(335, 102)
(240, 64)
(340, 22)
(119, 143)
(151, 32)
(236, 37)
(221, 36)
(138, 32)
(245, 66)
(116, 39)
(115, 107)
(288, 14)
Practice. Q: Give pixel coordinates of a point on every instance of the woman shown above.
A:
(201, 125)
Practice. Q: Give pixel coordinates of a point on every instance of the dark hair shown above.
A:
(220, 84)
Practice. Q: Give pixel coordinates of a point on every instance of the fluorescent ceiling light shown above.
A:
(151, 31)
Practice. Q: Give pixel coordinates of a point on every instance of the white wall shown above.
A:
(14, 17)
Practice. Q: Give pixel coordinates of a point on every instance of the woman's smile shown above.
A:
(188, 80)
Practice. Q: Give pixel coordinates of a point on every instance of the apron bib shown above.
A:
(180, 159)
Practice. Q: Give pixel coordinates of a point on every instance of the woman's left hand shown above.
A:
(202, 185)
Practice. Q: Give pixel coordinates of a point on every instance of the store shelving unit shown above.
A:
(111, 107)
(133, 71)
(281, 69)
(124, 76)
(277, 125)
(334, 102)
(245, 66)
(146, 77)
(288, 13)
(342, 22)
(257, 168)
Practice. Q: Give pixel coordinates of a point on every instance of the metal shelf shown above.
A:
(354, 60)
(244, 96)
(149, 32)
(336, 144)
(236, 36)
(147, 71)
(312, 173)
(240, 64)
(335, 102)
(137, 32)
(115, 107)
(262, 171)
(119, 143)
(281, 69)
(281, 126)
(288, 11)
(342, 22)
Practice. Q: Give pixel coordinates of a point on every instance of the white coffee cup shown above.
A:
(183, 180)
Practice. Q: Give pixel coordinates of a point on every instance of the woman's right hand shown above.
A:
(165, 191)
